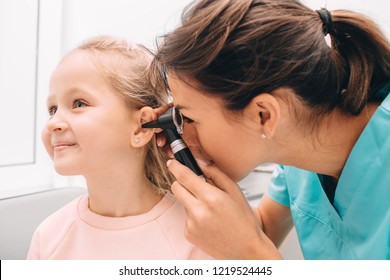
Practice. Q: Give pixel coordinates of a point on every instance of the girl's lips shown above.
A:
(62, 146)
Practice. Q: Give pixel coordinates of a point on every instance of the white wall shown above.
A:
(18, 144)
(139, 21)
(24, 165)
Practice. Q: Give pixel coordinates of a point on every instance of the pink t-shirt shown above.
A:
(75, 232)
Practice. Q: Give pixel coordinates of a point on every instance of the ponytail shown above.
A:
(365, 53)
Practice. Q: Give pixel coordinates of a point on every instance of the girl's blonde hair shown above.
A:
(131, 76)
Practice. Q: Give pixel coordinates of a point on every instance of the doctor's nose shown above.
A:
(190, 135)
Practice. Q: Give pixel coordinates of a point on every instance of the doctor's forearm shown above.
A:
(274, 219)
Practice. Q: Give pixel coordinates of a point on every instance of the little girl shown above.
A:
(100, 94)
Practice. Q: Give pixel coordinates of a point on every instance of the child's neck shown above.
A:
(121, 195)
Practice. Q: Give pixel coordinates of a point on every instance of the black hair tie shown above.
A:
(326, 18)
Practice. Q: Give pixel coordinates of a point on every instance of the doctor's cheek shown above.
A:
(190, 137)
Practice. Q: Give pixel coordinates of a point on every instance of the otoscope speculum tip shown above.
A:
(151, 124)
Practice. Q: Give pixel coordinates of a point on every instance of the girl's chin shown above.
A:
(66, 171)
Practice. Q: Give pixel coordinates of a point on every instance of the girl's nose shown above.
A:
(56, 124)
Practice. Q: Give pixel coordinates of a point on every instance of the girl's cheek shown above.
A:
(45, 136)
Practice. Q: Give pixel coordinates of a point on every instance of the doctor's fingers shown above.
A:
(161, 141)
(163, 108)
(203, 210)
(183, 195)
(195, 184)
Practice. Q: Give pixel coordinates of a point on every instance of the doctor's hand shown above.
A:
(219, 219)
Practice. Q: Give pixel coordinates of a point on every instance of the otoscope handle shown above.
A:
(181, 152)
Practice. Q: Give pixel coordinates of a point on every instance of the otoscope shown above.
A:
(171, 122)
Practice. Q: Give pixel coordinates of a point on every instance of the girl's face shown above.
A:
(230, 142)
(89, 125)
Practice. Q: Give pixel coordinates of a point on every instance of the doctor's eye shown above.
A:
(187, 120)
(79, 103)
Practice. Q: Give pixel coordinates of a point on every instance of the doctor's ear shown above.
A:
(142, 136)
(266, 109)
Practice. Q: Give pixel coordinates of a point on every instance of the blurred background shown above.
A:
(35, 34)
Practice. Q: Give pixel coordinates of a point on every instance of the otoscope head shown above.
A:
(171, 119)
(172, 123)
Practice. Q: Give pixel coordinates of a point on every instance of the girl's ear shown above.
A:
(265, 108)
(142, 136)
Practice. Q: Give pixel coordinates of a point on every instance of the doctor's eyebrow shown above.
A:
(180, 107)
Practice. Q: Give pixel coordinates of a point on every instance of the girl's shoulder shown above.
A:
(65, 213)
(50, 233)
(58, 223)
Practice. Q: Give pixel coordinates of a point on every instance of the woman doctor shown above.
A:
(257, 82)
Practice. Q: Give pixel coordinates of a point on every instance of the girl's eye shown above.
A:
(79, 103)
(187, 120)
(52, 110)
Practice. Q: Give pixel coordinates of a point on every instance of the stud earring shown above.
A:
(137, 140)
(263, 136)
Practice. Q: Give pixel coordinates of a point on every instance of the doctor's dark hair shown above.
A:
(127, 69)
(237, 49)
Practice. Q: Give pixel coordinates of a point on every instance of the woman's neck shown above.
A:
(327, 151)
(121, 191)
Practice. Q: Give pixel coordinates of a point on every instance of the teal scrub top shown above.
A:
(357, 225)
